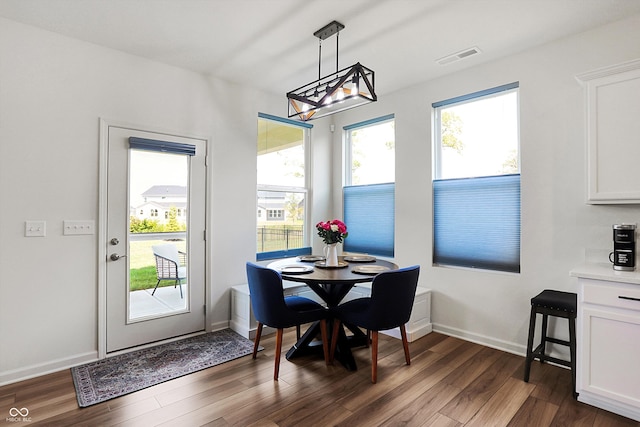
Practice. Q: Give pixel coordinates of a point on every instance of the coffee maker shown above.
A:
(623, 256)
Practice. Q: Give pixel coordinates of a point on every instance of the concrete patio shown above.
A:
(165, 301)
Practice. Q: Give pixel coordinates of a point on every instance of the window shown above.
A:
(369, 191)
(282, 188)
(476, 185)
(275, 214)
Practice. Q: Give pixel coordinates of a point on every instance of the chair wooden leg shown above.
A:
(405, 344)
(334, 339)
(276, 369)
(325, 340)
(374, 356)
(256, 341)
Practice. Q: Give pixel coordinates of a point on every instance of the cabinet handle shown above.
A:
(628, 298)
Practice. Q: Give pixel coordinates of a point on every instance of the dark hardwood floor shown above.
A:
(450, 382)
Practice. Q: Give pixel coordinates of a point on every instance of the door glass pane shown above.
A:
(158, 203)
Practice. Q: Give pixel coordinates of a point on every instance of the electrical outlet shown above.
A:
(74, 228)
(35, 228)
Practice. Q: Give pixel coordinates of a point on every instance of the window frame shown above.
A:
(374, 248)
(306, 249)
(437, 107)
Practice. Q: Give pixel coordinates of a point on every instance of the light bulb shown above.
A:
(354, 88)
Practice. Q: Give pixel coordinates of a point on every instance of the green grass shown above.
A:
(142, 264)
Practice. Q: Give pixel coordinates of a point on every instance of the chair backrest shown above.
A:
(267, 295)
(168, 251)
(392, 296)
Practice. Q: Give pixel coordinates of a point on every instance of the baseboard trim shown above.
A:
(16, 375)
(412, 335)
(509, 347)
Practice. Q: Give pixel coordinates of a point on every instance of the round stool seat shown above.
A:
(556, 300)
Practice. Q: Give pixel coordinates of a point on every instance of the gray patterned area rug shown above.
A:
(119, 375)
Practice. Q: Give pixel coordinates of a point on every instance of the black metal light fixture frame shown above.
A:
(347, 88)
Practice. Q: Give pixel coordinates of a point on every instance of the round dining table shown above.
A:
(331, 284)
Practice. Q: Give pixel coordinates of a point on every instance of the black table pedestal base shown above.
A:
(306, 344)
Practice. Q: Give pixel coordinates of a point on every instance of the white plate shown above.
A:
(311, 258)
(359, 258)
(370, 269)
(323, 264)
(296, 269)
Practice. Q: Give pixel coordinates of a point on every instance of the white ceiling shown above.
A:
(269, 44)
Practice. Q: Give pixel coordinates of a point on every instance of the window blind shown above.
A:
(369, 212)
(477, 222)
(161, 146)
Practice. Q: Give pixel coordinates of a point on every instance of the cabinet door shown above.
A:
(613, 108)
(611, 354)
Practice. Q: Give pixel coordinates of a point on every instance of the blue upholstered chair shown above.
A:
(271, 308)
(390, 304)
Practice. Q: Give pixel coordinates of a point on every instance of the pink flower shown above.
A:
(333, 231)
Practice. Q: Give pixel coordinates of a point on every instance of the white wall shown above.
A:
(54, 89)
(558, 229)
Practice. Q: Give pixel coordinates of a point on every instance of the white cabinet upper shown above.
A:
(613, 133)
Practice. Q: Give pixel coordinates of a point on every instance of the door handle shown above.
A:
(115, 257)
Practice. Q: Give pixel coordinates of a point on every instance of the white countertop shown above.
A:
(605, 272)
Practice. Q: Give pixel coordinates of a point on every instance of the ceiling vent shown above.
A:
(459, 55)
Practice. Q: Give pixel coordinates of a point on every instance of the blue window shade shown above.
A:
(161, 146)
(477, 222)
(369, 212)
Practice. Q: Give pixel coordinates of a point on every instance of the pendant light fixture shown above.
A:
(347, 88)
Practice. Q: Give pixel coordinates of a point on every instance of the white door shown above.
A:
(155, 237)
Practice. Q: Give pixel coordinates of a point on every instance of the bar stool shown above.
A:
(558, 304)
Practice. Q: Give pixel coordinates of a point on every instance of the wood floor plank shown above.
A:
(450, 382)
(476, 395)
(439, 420)
(423, 407)
(574, 413)
(503, 405)
(534, 412)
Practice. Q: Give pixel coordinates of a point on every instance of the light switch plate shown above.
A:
(78, 227)
(35, 228)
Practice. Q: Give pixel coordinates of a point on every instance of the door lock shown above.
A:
(115, 241)
(115, 257)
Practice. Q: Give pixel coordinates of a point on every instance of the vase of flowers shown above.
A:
(332, 233)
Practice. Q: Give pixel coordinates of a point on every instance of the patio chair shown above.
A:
(170, 265)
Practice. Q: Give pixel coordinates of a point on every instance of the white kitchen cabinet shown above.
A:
(612, 126)
(608, 339)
